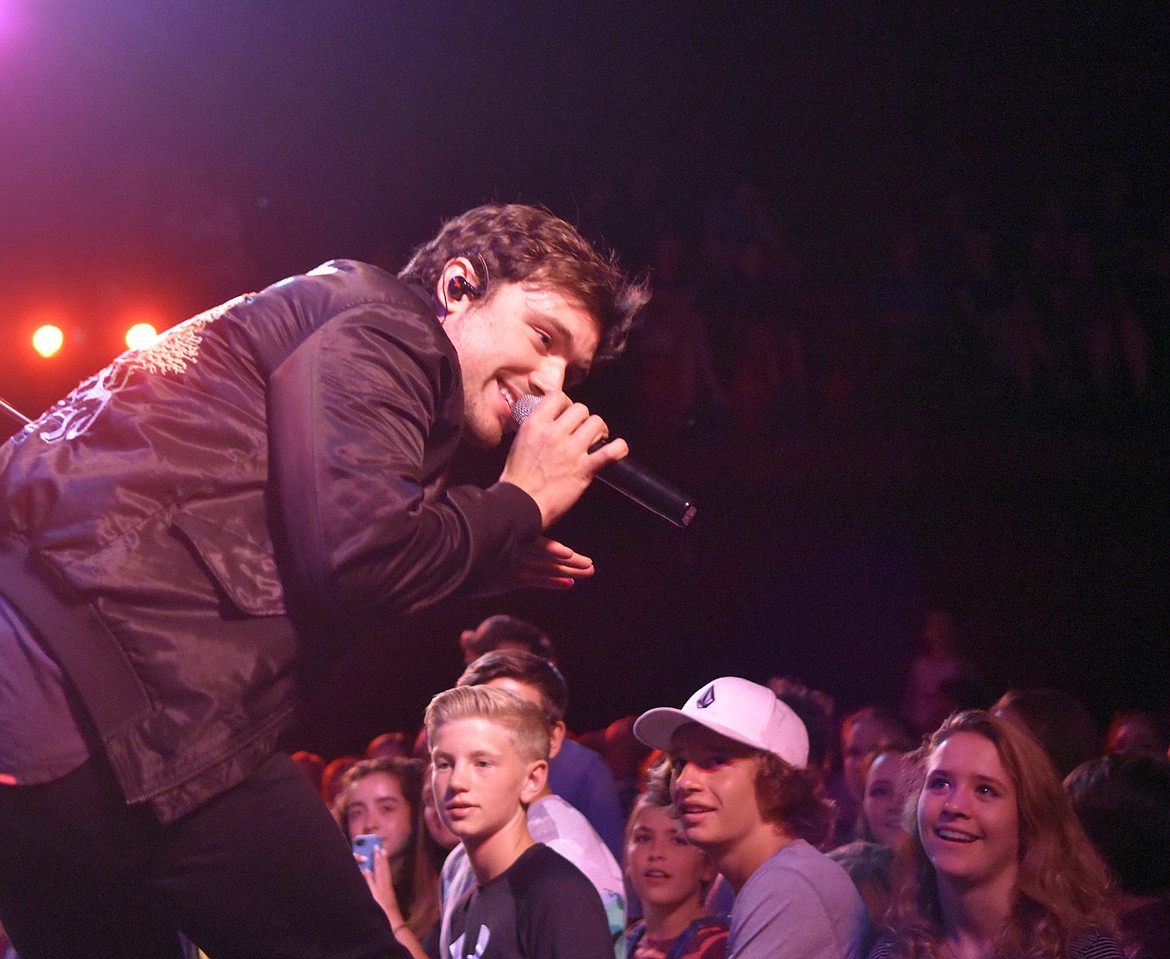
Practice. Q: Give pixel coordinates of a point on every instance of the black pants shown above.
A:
(259, 871)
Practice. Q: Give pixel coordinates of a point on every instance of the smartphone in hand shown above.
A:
(363, 850)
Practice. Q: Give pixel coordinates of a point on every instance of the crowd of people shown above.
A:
(968, 827)
(952, 314)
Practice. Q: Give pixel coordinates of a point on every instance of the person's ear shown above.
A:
(534, 781)
(457, 287)
(556, 738)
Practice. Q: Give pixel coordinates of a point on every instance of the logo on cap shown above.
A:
(707, 698)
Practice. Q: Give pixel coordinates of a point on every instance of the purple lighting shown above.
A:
(9, 18)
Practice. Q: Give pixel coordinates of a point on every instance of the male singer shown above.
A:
(194, 528)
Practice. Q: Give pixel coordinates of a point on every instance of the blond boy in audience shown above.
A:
(489, 750)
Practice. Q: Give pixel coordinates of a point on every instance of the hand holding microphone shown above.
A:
(579, 428)
(550, 458)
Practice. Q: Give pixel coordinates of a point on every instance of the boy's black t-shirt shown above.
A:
(540, 907)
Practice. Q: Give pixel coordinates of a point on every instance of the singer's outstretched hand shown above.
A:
(550, 458)
(542, 564)
(547, 564)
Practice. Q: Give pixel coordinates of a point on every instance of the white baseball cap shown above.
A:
(740, 710)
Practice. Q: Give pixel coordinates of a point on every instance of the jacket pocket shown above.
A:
(242, 566)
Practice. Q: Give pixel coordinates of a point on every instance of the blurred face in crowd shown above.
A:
(938, 633)
(862, 737)
(433, 821)
(885, 798)
(1132, 735)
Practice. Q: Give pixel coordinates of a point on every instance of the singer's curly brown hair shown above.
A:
(525, 244)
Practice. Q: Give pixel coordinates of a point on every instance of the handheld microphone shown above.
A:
(628, 478)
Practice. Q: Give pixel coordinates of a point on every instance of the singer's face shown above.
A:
(516, 341)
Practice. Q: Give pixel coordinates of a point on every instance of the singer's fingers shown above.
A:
(543, 582)
(575, 417)
(547, 564)
(573, 563)
(551, 457)
(580, 568)
(593, 431)
(611, 452)
(538, 579)
(559, 407)
(548, 556)
(556, 410)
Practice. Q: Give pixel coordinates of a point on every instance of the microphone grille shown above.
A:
(522, 408)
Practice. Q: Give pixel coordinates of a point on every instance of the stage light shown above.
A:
(48, 339)
(140, 336)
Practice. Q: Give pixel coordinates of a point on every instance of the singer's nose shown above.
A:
(549, 377)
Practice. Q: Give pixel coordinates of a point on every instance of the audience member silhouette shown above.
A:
(1061, 724)
(389, 746)
(312, 765)
(1123, 802)
(505, 632)
(926, 702)
(576, 773)
(1138, 732)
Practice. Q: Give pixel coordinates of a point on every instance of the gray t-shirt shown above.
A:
(798, 905)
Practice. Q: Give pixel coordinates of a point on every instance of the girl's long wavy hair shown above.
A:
(1062, 890)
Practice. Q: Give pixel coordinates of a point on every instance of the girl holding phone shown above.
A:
(379, 808)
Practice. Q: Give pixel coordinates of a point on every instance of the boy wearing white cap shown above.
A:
(737, 759)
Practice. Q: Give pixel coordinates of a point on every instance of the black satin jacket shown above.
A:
(193, 524)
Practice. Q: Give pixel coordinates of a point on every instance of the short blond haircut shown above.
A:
(526, 724)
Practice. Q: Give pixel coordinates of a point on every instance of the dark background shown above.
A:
(158, 158)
